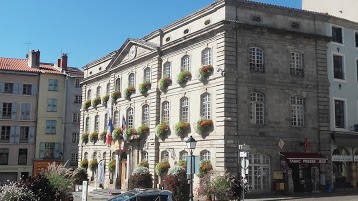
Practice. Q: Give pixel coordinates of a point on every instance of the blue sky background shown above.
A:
(88, 29)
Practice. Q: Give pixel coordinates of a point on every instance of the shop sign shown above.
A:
(355, 158)
(307, 161)
(342, 158)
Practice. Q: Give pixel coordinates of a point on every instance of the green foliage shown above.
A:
(84, 137)
(40, 186)
(143, 163)
(60, 178)
(84, 163)
(103, 135)
(181, 128)
(105, 99)
(144, 87)
(140, 181)
(112, 165)
(164, 83)
(182, 163)
(115, 95)
(204, 168)
(184, 77)
(93, 164)
(14, 192)
(205, 72)
(143, 129)
(176, 170)
(94, 137)
(162, 167)
(117, 134)
(79, 175)
(96, 101)
(129, 91)
(221, 186)
(162, 129)
(86, 104)
(204, 125)
(178, 185)
(140, 170)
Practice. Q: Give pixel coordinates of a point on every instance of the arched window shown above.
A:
(257, 109)
(87, 125)
(205, 155)
(206, 57)
(146, 74)
(130, 118)
(167, 69)
(183, 154)
(297, 111)
(256, 59)
(118, 84)
(206, 106)
(85, 156)
(165, 156)
(296, 64)
(185, 63)
(165, 112)
(116, 118)
(98, 91)
(105, 123)
(96, 123)
(184, 109)
(108, 88)
(145, 156)
(131, 80)
(145, 115)
(259, 172)
(89, 94)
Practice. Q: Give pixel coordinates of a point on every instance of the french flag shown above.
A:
(124, 124)
(109, 132)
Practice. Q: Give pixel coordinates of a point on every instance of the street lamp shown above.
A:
(191, 144)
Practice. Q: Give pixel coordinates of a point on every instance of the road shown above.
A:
(335, 196)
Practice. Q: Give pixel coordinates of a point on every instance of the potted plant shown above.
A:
(86, 104)
(96, 101)
(84, 163)
(205, 72)
(184, 77)
(204, 167)
(182, 163)
(103, 136)
(203, 125)
(143, 129)
(131, 134)
(143, 163)
(93, 164)
(112, 165)
(181, 128)
(94, 137)
(161, 130)
(129, 91)
(117, 134)
(84, 137)
(115, 95)
(144, 87)
(162, 167)
(105, 99)
(164, 83)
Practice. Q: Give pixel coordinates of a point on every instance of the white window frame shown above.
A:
(6, 110)
(145, 114)
(343, 67)
(53, 85)
(206, 56)
(116, 118)
(165, 112)
(345, 114)
(145, 156)
(333, 25)
(256, 60)
(205, 155)
(184, 109)
(206, 105)
(118, 84)
(96, 123)
(26, 89)
(131, 80)
(297, 111)
(5, 133)
(167, 69)
(51, 105)
(183, 155)
(297, 64)
(105, 122)
(89, 94)
(78, 99)
(76, 118)
(24, 134)
(259, 164)
(49, 151)
(75, 138)
(87, 125)
(256, 104)
(108, 88)
(130, 118)
(77, 83)
(164, 156)
(146, 74)
(185, 63)
(74, 158)
(98, 91)
(51, 127)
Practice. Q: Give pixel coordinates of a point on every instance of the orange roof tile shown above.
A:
(12, 64)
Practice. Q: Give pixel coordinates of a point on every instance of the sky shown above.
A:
(88, 29)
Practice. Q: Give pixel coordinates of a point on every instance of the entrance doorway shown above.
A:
(123, 170)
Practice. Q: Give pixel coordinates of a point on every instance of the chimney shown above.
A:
(37, 60)
(62, 62)
(32, 58)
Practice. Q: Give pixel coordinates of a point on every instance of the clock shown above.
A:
(132, 52)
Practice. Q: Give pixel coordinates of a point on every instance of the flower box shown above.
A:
(204, 168)
(115, 95)
(129, 91)
(84, 137)
(184, 77)
(162, 167)
(103, 135)
(161, 130)
(105, 99)
(182, 163)
(93, 137)
(144, 87)
(181, 128)
(164, 83)
(84, 163)
(117, 134)
(96, 101)
(205, 72)
(112, 165)
(86, 104)
(204, 125)
(93, 164)
(143, 129)
(131, 134)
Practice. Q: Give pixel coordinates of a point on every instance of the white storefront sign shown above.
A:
(341, 158)
(355, 158)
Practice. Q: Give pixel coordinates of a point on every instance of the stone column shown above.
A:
(354, 174)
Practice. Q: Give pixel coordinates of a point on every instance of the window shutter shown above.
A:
(34, 89)
(12, 134)
(48, 127)
(55, 85)
(31, 134)
(16, 88)
(57, 150)
(13, 111)
(17, 134)
(20, 88)
(0, 110)
(49, 105)
(1, 87)
(28, 110)
(42, 150)
(54, 105)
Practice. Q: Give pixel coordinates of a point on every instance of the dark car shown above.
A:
(145, 195)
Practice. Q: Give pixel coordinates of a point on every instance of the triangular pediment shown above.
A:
(131, 50)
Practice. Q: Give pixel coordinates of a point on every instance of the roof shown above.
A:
(74, 72)
(102, 59)
(12, 64)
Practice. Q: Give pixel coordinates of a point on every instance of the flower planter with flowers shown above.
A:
(162, 167)
(86, 104)
(144, 87)
(112, 165)
(204, 167)
(131, 134)
(105, 99)
(93, 137)
(164, 83)
(181, 128)
(103, 136)
(117, 134)
(184, 77)
(115, 95)
(129, 91)
(84, 163)
(143, 129)
(162, 130)
(205, 72)
(143, 163)
(96, 101)
(84, 137)
(182, 163)
(93, 164)
(204, 125)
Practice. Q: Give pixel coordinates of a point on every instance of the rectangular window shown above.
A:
(49, 151)
(53, 85)
(6, 110)
(5, 134)
(4, 156)
(26, 89)
(22, 159)
(51, 105)
(51, 127)
(356, 36)
(337, 35)
(77, 83)
(24, 134)
(9, 88)
(25, 111)
(76, 117)
(357, 68)
(338, 70)
(75, 138)
(74, 158)
(78, 99)
(339, 113)
(297, 111)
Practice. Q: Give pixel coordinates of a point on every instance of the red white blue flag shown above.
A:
(124, 124)
(109, 132)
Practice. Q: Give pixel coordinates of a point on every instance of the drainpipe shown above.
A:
(64, 119)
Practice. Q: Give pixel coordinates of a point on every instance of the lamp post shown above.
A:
(191, 144)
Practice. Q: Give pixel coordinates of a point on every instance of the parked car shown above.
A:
(145, 195)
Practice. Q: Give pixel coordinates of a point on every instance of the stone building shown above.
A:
(268, 85)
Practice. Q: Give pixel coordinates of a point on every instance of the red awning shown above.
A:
(304, 157)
